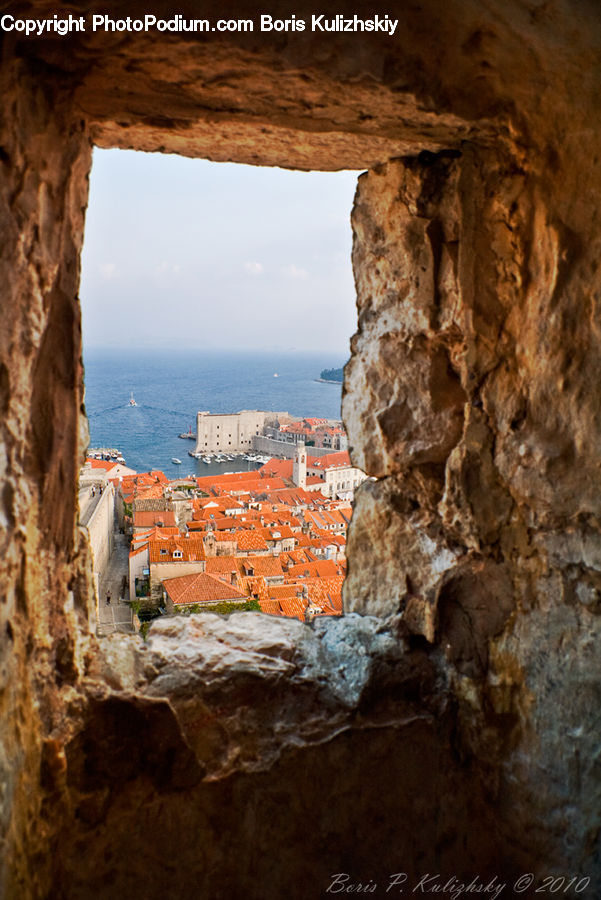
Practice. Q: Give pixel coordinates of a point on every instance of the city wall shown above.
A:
(100, 526)
(284, 449)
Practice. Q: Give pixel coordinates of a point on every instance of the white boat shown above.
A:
(132, 402)
(175, 460)
(206, 459)
(275, 375)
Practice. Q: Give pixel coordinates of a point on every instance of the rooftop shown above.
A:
(201, 588)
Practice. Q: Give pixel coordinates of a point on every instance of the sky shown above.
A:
(189, 253)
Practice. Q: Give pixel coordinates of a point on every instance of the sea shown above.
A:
(170, 387)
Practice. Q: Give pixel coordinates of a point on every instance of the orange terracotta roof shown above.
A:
(326, 518)
(292, 521)
(326, 593)
(294, 607)
(219, 565)
(150, 492)
(268, 566)
(250, 540)
(191, 549)
(281, 591)
(105, 464)
(196, 526)
(322, 568)
(249, 516)
(224, 523)
(280, 467)
(206, 482)
(255, 586)
(142, 548)
(133, 483)
(270, 607)
(296, 557)
(200, 588)
(224, 502)
(258, 486)
(330, 461)
(154, 534)
(147, 518)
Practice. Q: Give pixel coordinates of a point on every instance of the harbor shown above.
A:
(235, 456)
(205, 464)
(168, 400)
(106, 453)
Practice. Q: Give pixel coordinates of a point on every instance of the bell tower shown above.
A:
(299, 469)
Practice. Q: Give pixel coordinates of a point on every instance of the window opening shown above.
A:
(197, 319)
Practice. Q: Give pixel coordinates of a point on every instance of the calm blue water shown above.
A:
(170, 387)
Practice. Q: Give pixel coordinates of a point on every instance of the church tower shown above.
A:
(299, 469)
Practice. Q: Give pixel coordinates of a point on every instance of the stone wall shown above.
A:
(487, 485)
(284, 449)
(101, 527)
(453, 725)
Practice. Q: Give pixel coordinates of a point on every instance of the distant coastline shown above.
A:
(331, 376)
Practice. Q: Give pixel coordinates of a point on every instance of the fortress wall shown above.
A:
(284, 448)
(100, 530)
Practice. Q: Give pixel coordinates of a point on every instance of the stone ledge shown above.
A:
(246, 687)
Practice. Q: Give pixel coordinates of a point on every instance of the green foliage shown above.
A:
(144, 609)
(127, 509)
(144, 629)
(224, 608)
(332, 374)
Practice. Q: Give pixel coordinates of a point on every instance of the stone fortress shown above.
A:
(219, 432)
(449, 722)
(274, 433)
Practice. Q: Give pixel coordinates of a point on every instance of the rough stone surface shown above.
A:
(459, 730)
(487, 476)
(250, 733)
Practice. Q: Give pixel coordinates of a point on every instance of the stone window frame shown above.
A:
(373, 108)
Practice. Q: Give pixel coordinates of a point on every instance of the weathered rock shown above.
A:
(410, 562)
(252, 731)
(246, 688)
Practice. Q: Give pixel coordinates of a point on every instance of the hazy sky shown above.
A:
(182, 252)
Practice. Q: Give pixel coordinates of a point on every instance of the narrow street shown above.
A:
(116, 615)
